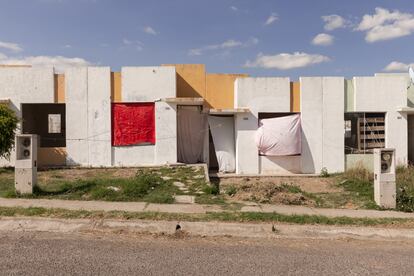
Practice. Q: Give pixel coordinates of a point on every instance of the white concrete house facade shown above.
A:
(324, 105)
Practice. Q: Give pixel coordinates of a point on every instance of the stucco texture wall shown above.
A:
(25, 85)
(149, 84)
(259, 95)
(322, 113)
(220, 90)
(386, 94)
(191, 80)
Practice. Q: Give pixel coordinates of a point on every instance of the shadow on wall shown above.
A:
(280, 164)
(51, 157)
(307, 164)
(184, 89)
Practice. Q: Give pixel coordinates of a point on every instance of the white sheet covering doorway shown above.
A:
(222, 132)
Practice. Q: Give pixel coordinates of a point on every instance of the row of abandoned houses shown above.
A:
(178, 113)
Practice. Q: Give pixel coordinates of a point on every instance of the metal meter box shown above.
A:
(384, 178)
(25, 171)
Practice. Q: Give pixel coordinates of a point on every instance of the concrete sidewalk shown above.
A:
(196, 208)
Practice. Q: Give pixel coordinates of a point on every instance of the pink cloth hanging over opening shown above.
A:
(279, 136)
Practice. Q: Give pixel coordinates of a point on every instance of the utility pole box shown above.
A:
(25, 170)
(384, 178)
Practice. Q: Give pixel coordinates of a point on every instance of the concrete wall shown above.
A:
(147, 84)
(386, 94)
(280, 164)
(311, 106)
(220, 90)
(359, 160)
(322, 114)
(333, 157)
(99, 116)
(259, 95)
(76, 98)
(191, 80)
(25, 85)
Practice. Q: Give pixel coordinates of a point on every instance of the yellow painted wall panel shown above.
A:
(59, 88)
(295, 96)
(191, 80)
(220, 90)
(51, 157)
(116, 90)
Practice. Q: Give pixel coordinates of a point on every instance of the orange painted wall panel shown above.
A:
(59, 88)
(295, 96)
(191, 80)
(220, 90)
(116, 90)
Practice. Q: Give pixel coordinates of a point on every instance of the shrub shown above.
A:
(211, 190)
(359, 173)
(231, 190)
(324, 172)
(8, 125)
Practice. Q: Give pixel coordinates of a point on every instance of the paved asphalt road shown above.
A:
(109, 254)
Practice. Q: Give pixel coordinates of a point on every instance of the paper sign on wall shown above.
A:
(54, 123)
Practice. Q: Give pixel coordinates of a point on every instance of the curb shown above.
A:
(205, 229)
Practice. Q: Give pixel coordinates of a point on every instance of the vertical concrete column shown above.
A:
(166, 133)
(77, 116)
(247, 156)
(311, 102)
(333, 156)
(99, 116)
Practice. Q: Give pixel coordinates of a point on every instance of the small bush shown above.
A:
(211, 190)
(290, 188)
(405, 188)
(324, 172)
(231, 190)
(8, 125)
(359, 173)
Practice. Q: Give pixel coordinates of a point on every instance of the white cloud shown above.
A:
(67, 46)
(334, 21)
(59, 62)
(149, 30)
(386, 25)
(286, 61)
(226, 45)
(396, 66)
(323, 40)
(272, 18)
(138, 45)
(234, 8)
(13, 47)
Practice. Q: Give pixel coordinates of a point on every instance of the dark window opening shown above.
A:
(46, 120)
(364, 132)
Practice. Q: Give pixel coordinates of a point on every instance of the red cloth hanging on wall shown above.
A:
(133, 124)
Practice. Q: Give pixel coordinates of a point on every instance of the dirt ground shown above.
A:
(279, 190)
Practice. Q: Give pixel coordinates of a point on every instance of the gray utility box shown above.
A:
(25, 170)
(384, 178)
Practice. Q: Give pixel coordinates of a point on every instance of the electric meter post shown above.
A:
(25, 171)
(384, 178)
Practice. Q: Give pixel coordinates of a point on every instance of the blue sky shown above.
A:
(263, 38)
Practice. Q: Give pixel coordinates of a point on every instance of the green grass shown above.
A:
(153, 185)
(213, 216)
(143, 187)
